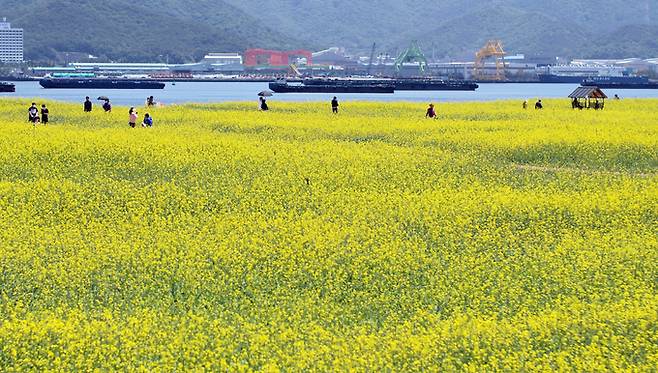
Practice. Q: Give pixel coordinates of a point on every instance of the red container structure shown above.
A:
(259, 57)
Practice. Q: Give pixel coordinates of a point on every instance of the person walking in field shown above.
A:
(525, 104)
(88, 106)
(431, 113)
(44, 114)
(539, 105)
(33, 114)
(132, 117)
(107, 106)
(334, 105)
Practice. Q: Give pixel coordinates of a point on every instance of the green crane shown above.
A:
(412, 54)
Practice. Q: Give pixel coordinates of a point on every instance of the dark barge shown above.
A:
(401, 84)
(100, 83)
(7, 87)
(285, 87)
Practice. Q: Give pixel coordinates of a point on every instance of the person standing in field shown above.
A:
(334, 105)
(107, 106)
(33, 113)
(88, 105)
(525, 104)
(44, 114)
(132, 117)
(539, 105)
(431, 113)
(263, 104)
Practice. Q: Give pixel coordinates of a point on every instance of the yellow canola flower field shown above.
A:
(226, 239)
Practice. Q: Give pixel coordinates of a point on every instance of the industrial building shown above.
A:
(11, 43)
(212, 62)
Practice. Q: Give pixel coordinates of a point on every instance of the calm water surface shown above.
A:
(180, 93)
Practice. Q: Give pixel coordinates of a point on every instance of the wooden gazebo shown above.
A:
(582, 98)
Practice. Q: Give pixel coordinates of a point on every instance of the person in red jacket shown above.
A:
(431, 113)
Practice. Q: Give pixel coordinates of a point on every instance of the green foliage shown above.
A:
(137, 31)
(186, 29)
(460, 27)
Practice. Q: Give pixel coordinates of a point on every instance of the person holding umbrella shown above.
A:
(107, 107)
(262, 101)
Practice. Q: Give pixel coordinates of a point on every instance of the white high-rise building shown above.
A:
(11, 43)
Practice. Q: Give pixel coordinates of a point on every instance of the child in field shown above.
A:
(148, 121)
(107, 106)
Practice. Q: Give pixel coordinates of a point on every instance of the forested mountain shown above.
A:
(185, 29)
(146, 30)
(611, 28)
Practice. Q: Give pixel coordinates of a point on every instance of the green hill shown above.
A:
(186, 29)
(459, 27)
(138, 31)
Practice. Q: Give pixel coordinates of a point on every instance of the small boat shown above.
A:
(100, 83)
(285, 87)
(7, 87)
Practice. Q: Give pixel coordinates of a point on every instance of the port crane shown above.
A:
(372, 56)
(492, 49)
(412, 54)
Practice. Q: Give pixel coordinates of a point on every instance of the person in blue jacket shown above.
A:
(148, 120)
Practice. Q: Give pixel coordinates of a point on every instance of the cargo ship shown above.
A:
(401, 84)
(578, 79)
(286, 87)
(99, 83)
(636, 82)
(7, 87)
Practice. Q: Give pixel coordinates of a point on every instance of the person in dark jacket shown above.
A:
(107, 106)
(334, 105)
(539, 105)
(263, 104)
(88, 105)
(44, 114)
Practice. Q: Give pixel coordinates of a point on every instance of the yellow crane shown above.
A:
(294, 70)
(493, 49)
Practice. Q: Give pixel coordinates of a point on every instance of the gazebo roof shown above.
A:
(588, 92)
